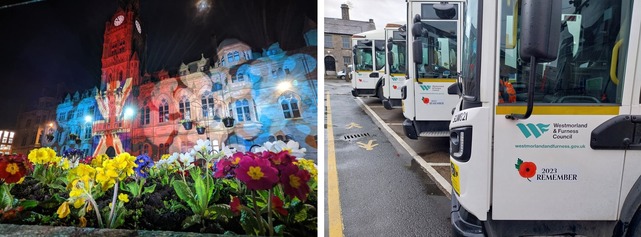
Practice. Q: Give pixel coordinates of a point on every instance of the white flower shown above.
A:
(228, 151)
(295, 150)
(186, 158)
(160, 163)
(173, 158)
(203, 146)
(291, 146)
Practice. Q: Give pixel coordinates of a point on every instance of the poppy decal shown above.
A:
(526, 169)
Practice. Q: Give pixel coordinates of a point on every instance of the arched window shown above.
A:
(289, 104)
(145, 149)
(240, 77)
(236, 56)
(185, 108)
(208, 105)
(163, 111)
(215, 145)
(144, 115)
(242, 110)
(230, 57)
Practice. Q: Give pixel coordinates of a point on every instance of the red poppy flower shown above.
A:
(527, 169)
(294, 181)
(257, 174)
(13, 168)
(277, 205)
(235, 205)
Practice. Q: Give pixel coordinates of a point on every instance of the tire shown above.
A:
(341, 77)
(634, 228)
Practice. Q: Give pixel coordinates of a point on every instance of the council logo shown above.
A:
(530, 129)
(425, 87)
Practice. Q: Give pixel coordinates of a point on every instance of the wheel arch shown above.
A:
(629, 209)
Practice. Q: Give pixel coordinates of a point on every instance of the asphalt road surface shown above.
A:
(382, 191)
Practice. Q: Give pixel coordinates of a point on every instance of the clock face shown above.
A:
(138, 26)
(119, 19)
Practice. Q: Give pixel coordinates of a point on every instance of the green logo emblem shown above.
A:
(425, 87)
(530, 129)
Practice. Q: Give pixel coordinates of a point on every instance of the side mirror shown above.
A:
(390, 58)
(417, 29)
(417, 51)
(454, 89)
(540, 29)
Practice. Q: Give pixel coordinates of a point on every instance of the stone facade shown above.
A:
(32, 124)
(270, 98)
(74, 116)
(336, 54)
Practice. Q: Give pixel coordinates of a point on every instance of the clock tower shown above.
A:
(121, 67)
(124, 45)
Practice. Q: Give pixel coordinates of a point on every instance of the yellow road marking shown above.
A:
(369, 146)
(353, 125)
(333, 198)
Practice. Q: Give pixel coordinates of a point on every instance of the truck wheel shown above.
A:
(379, 92)
(634, 228)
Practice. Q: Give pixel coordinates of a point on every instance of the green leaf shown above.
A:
(191, 220)
(149, 189)
(28, 203)
(279, 229)
(184, 193)
(219, 211)
(518, 163)
(249, 223)
(301, 215)
(5, 196)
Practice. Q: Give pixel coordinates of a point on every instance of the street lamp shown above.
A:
(284, 85)
(129, 113)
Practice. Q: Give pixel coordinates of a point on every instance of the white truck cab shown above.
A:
(396, 66)
(368, 63)
(547, 137)
(433, 42)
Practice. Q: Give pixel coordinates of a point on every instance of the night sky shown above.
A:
(44, 43)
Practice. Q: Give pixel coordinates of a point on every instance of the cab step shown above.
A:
(434, 134)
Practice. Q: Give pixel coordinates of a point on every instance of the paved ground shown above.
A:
(382, 189)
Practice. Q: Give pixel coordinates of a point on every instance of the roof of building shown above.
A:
(347, 27)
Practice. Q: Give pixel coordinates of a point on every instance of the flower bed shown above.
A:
(270, 192)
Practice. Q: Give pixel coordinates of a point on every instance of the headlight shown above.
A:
(461, 143)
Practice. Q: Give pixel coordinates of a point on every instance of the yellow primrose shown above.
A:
(75, 192)
(64, 164)
(63, 210)
(123, 197)
(83, 221)
(79, 202)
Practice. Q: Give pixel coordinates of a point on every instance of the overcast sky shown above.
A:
(382, 11)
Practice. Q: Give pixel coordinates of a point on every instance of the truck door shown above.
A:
(552, 166)
(434, 46)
